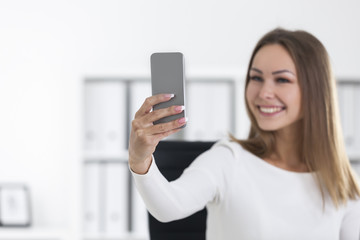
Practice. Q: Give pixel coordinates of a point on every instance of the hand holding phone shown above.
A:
(167, 76)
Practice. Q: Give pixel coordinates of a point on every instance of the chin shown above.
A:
(269, 127)
(278, 125)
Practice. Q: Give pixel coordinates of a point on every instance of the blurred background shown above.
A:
(51, 52)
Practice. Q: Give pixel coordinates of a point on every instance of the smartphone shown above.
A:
(167, 76)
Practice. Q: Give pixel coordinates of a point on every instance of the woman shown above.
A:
(291, 179)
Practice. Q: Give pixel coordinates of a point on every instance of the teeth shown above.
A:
(270, 110)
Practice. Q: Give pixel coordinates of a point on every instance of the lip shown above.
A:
(273, 110)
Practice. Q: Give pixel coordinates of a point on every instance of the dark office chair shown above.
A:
(172, 157)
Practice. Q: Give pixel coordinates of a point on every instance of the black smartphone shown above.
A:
(167, 76)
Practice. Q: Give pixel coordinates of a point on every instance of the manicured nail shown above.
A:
(183, 120)
(179, 108)
(169, 95)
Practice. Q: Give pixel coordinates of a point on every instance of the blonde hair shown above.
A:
(322, 147)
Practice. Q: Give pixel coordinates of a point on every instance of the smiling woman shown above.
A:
(290, 179)
(291, 101)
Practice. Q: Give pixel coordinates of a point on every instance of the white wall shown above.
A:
(47, 47)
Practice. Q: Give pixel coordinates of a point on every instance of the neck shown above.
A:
(287, 149)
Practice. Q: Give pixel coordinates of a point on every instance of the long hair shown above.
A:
(322, 147)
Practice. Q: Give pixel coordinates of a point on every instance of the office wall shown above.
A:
(48, 47)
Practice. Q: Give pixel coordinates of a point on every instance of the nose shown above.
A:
(267, 90)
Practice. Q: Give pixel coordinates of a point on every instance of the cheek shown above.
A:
(300, 108)
(250, 98)
(249, 94)
(295, 101)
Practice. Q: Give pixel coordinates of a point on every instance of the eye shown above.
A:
(282, 80)
(256, 78)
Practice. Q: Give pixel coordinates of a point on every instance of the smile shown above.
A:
(270, 110)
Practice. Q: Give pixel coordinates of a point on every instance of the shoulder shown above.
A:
(352, 210)
(235, 148)
(350, 226)
(353, 206)
(224, 154)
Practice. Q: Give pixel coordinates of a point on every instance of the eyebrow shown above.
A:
(276, 72)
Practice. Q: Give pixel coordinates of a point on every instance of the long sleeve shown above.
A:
(198, 185)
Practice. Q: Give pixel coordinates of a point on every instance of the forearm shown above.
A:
(168, 201)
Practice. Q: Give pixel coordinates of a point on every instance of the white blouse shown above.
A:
(248, 198)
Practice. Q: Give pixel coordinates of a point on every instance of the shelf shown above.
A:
(15, 233)
(348, 80)
(106, 157)
(354, 158)
(127, 236)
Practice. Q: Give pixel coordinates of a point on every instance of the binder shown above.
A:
(356, 167)
(105, 117)
(347, 112)
(113, 117)
(209, 110)
(140, 220)
(357, 121)
(139, 91)
(91, 198)
(91, 119)
(116, 198)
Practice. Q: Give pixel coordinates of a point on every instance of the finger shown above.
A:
(165, 127)
(144, 130)
(149, 119)
(149, 102)
(166, 134)
(164, 112)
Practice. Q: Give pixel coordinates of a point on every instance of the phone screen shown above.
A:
(167, 76)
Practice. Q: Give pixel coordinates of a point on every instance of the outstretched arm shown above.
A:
(201, 183)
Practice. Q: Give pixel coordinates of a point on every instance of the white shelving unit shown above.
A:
(108, 208)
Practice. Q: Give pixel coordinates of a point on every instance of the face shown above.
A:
(273, 92)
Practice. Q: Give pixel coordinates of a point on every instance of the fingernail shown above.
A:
(179, 108)
(169, 95)
(183, 120)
